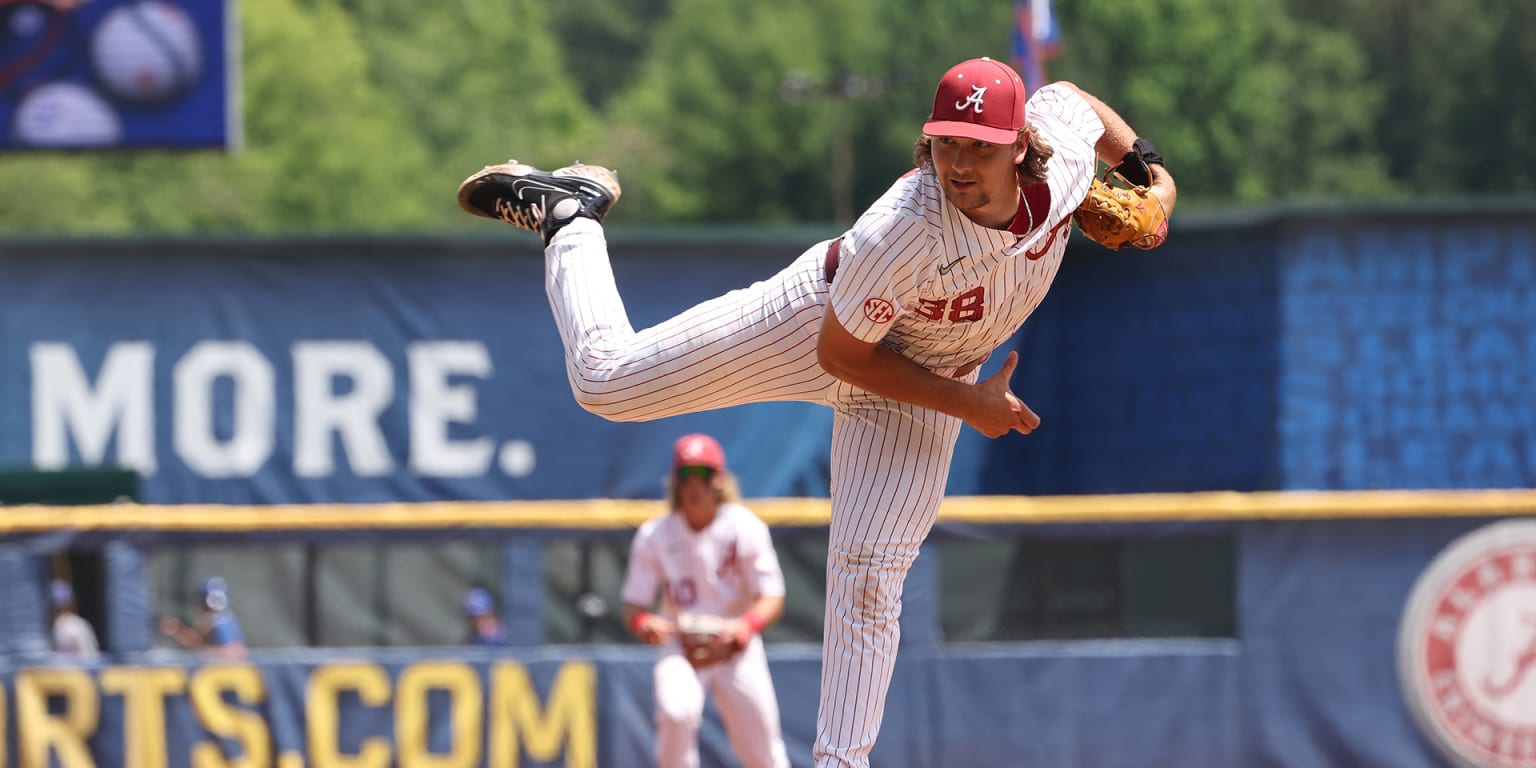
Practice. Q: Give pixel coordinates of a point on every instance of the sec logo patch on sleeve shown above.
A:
(878, 310)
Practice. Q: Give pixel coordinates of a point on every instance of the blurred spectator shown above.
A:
(480, 613)
(216, 628)
(72, 634)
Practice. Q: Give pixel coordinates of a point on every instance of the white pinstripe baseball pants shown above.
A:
(890, 460)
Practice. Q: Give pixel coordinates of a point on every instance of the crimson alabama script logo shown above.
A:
(1466, 650)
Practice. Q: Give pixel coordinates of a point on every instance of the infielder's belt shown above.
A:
(834, 251)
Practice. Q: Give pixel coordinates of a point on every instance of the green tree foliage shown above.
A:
(705, 132)
(1458, 77)
(1247, 104)
(606, 40)
(363, 115)
(745, 111)
(325, 149)
(476, 81)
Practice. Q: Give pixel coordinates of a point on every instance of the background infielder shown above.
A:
(714, 564)
(886, 324)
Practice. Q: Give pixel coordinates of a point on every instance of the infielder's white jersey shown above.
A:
(718, 571)
(942, 290)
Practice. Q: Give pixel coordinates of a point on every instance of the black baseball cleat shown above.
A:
(540, 201)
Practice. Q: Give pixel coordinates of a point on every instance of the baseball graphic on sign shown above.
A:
(66, 115)
(146, 52)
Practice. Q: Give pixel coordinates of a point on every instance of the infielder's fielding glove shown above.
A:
(706, 640)
(1119, 211)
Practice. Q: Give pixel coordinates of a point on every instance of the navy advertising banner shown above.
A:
(92, 74)
(372, 711)
(1328, 351)
(592, 708)
(1330, 354)
(323, 371)
(1409, 355)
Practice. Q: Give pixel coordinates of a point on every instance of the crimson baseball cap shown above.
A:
(980, 99)
(698, 450)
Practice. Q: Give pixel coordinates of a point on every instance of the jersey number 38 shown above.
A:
(968, 307)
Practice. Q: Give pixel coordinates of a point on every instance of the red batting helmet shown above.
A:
(698, 450)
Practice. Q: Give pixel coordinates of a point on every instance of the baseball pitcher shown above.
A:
(886, 324)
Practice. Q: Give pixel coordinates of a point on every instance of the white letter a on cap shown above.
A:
(973, 100)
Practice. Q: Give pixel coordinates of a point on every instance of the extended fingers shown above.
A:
(1026, 420)
(1009, 363)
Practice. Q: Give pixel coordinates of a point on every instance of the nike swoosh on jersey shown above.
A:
(944, 270)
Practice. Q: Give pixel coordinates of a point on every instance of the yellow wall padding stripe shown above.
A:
(608, 514)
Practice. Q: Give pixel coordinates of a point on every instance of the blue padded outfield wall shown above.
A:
(193, 362)
(1348, 350)
(1310, 680)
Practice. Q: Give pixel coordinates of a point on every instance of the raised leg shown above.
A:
(755, 344)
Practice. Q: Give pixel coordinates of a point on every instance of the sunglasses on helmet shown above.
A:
(703, 473)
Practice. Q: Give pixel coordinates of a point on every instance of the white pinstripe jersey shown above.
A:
(718, 571)
(918, 276)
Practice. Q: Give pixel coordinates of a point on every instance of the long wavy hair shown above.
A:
(1031, 171)
(727, 490)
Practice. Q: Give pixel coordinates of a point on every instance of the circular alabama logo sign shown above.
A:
(1466, 650)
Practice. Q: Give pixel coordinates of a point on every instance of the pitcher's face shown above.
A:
(979, 178)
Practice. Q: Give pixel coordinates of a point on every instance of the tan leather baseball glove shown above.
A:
(1117, 213)
(705, 639)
